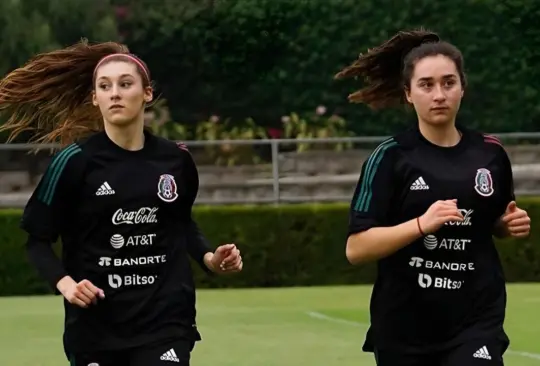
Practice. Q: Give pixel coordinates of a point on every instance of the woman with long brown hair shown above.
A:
(121, 201)
(425, 208)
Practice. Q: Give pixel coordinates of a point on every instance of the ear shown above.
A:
(148, 94)
(94, 100)
(407, 92)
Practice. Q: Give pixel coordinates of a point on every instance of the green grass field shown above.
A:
(266, 327)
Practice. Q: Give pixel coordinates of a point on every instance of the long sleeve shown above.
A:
(47, 212)
(46, 262)
(197, 244)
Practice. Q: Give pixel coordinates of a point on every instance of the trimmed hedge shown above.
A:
(292, 245)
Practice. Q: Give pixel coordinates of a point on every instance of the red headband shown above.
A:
(131, 57)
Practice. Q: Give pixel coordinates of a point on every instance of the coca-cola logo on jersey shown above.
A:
(144, 215)
(467, 215)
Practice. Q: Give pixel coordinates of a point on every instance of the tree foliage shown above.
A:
(29, 27)
(267, 58)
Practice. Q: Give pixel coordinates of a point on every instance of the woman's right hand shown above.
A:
(81, 294)
(438, 214)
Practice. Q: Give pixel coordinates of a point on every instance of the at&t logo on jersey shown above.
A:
(483, 182)
(426, 281)
(167, 190)
(117, 281)
(144, 215)
(431, 243)
(117, 241)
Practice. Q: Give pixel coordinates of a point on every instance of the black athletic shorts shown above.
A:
(170, 353)
(474, 353)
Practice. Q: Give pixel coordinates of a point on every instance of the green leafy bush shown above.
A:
(290, 245)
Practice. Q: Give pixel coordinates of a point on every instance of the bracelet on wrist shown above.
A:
(419, 227)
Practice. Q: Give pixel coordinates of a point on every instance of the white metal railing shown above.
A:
(356, 139)
(275, 149)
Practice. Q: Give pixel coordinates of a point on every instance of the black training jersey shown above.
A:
(447, 287)
(124, 218)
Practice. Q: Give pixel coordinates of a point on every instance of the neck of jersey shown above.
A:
(442, 136)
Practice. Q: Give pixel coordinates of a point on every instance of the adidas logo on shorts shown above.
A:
(170, 355)
(482, 353)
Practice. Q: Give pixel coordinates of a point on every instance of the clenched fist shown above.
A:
(516, 221)
(438, 214)
(226, 259)
(82, 294)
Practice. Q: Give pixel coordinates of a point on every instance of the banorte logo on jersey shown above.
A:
(417, 262)
(144, 215)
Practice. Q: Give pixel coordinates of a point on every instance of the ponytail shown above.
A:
(51, 95)
(382, 69)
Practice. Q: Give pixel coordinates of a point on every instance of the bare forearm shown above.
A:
(380, 242)
(207, 260)
(65, 283)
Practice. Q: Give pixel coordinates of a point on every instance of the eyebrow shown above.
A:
(121, 76)
(429, 78)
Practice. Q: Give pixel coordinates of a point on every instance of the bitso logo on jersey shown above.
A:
(427, 281)
(167, 188)
(117, 281)
(483, 183)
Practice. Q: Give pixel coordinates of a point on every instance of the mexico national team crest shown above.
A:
(167, 188)
(483, 183)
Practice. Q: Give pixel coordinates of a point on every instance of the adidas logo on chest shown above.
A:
(105, 190)
(419, 185)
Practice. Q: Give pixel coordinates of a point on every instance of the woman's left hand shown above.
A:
(516, 221)
(227, 259)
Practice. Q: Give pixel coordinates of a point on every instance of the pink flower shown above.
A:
(274, 133)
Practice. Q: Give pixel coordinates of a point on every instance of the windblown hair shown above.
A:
(51, 95)
(388, 68)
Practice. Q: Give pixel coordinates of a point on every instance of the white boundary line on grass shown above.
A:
(320, 316)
